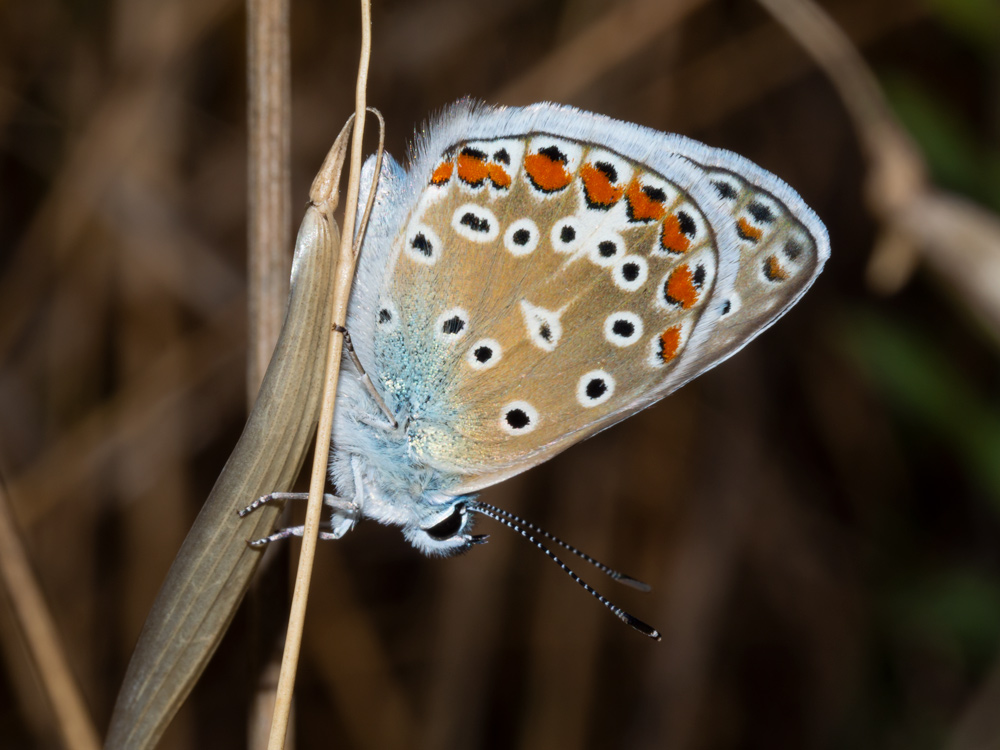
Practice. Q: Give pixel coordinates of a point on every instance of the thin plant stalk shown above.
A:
(270, 184)
(317, 483)
(72, 720)
(269, 229)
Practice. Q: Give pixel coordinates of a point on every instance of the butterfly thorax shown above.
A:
(378, 467)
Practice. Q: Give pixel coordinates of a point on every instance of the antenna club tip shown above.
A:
(634, 583)
(637, 624)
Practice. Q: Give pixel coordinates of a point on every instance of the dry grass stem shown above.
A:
(816, 516)
(270, 181)
(324, 200)
(212, 570)
(269, 239)
(72, 719)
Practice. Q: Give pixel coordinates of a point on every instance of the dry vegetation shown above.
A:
(819, 517)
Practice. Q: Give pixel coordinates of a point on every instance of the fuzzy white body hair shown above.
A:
(370, 463)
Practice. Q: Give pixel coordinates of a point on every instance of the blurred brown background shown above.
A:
(819, 517)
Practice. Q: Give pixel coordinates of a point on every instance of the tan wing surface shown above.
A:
(544, 288)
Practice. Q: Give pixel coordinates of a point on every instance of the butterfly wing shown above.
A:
(556, 271)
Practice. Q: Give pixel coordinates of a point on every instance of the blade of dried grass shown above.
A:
(324, 197)
(214, 566)
(39, 632)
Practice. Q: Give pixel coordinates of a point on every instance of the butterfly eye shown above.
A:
(449, 527)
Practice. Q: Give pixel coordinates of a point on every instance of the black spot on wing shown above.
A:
(761, 213)
(475, 223)
(623, 328)
(724, 189)
(518, 419)
(421, 244)
(554, 154)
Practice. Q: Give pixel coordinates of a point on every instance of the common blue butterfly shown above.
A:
(536, 275)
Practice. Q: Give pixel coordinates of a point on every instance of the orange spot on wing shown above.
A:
(773, 269)
(680, 288)
(747, 231)
(499, 176)
(672, 238)
(641, 206)
(599, 189)
(670, 342)
(546, 173)
(442, 174)
(472, 170)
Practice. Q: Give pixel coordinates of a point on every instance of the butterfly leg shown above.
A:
(344, 515)
(369, 385)
(290, 531)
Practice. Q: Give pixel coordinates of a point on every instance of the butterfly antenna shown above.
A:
(373, 190)
(509, 521)
(610, 572)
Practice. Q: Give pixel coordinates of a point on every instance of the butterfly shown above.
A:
(534, 276)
